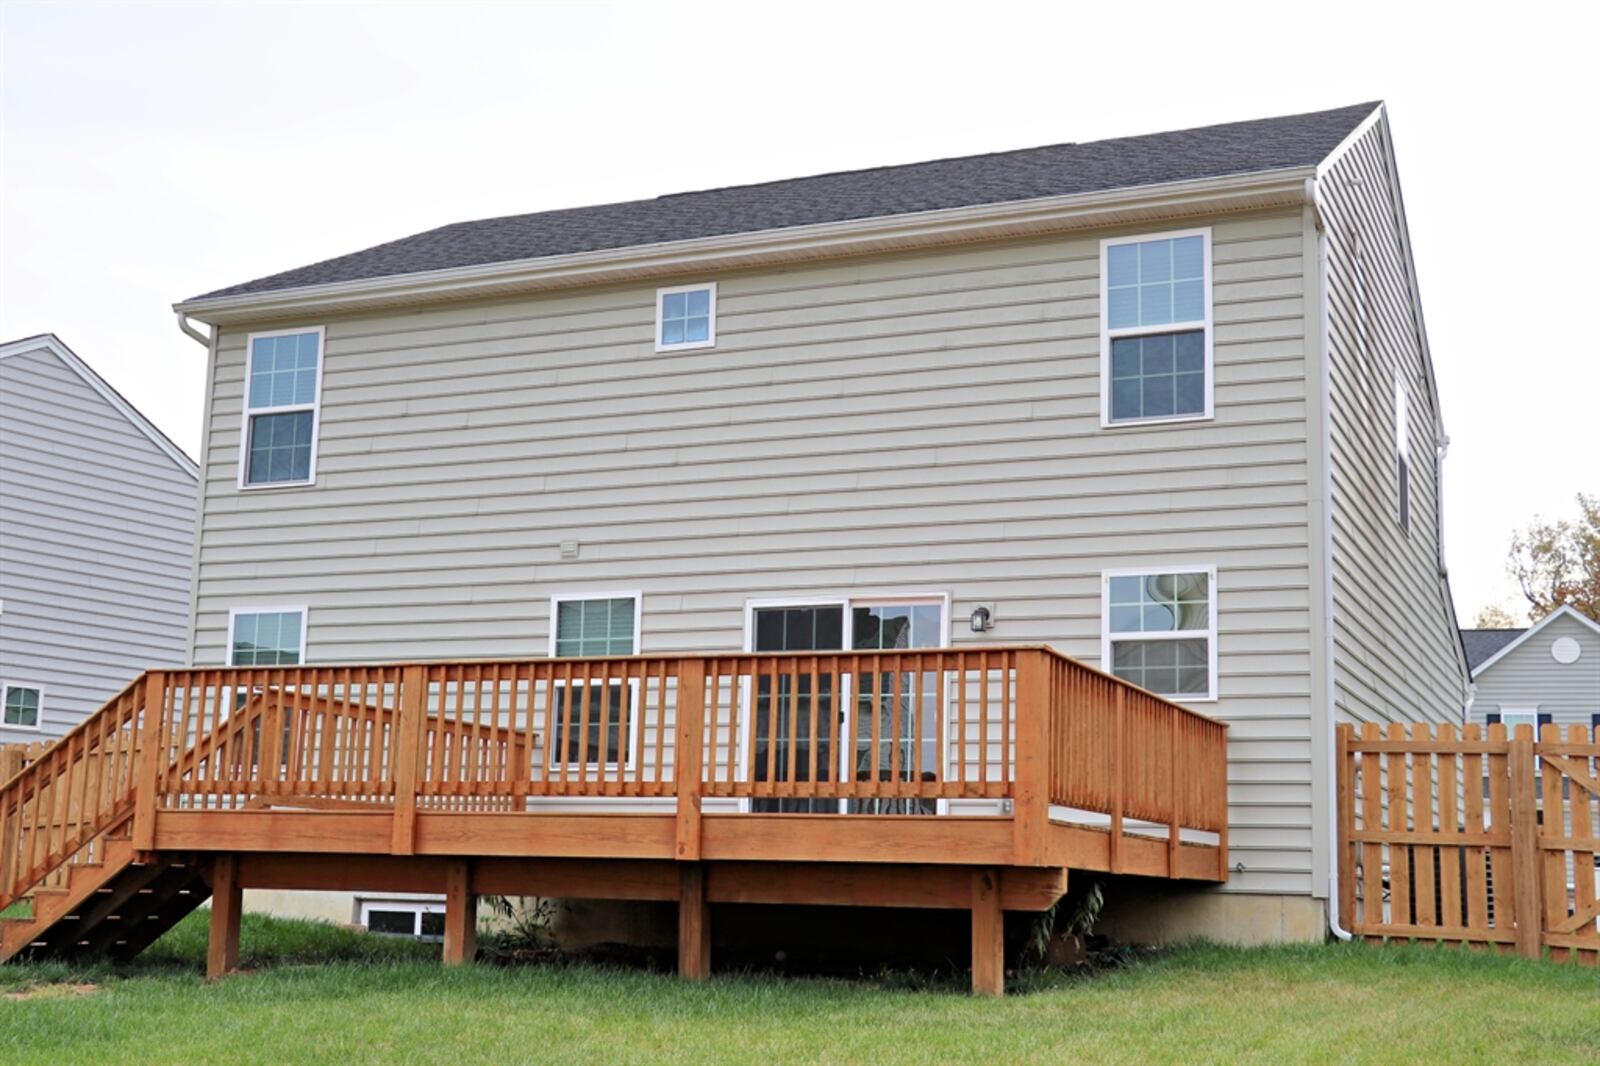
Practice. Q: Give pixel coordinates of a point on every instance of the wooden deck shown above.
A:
(972, 778)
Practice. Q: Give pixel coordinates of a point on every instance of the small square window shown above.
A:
(1160, 631)
(267, 638)
(686, 317)
(22, 707)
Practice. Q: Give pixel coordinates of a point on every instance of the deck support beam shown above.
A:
(460, 914)
(694, 924)
(988, 935)
(227, 897)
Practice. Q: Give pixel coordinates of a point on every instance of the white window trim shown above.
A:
(416, 908)
(1106, 638)
(5, 693)
(305, 624)
(315, 407)
(553, 756)
(846, 702)
(711, 325)
(1529, 715)
(1107, 334)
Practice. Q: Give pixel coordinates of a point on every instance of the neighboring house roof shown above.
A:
(1001, 177)
(1564, 611)
(1480, 644)
(49, 342)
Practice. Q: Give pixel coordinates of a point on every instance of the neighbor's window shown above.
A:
(22, 707)
(587, 628)
(267, 638)
(686, 317)
(1161, 631)
(1155, 337)
(282, 383)
(1402, 451)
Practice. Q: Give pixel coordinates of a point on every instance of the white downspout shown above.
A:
(1329, 696)
(191, 332)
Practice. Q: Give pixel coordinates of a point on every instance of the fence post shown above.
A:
(412, 718)
(1030, 788)
(1525, 844)
(687, 770)
(1345, 769)
(147, 773)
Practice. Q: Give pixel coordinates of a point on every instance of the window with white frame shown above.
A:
(1160, 630)
(21, 707)
(588, 627)
(1155, 328)
(1402, 451)
(283, 383)
(686, 317)
(267, 637)
(423, 919)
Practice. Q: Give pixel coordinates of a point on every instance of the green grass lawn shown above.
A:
(315, 993)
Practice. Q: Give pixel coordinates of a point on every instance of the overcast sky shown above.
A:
(150, 152)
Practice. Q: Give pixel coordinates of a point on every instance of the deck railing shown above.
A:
(890, 732)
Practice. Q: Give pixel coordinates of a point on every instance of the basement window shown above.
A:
(686, 317)
(1155, 328)
(423, 920)
(1160, 630)
(22, 704)
(283, 385)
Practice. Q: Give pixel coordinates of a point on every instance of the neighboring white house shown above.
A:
(1164, 402)
(97, 515)
(1546, 674)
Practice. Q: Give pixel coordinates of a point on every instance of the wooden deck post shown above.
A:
(222, 953)
(147, 775)
(460, 914)
(1030, 805)
(1525, 858)
(694, 924)
(988, 934)
(409, 724)
(687, 770)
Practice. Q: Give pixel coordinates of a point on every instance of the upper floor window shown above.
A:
(1155, 328)
(271, 637)
(686, 317)
(22, 707)
(1402, 451)
(1160, 631)
(283, 382)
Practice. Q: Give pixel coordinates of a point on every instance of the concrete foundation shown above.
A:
(1140, 911)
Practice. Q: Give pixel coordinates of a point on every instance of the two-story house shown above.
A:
(96, 541)
(1164, 403)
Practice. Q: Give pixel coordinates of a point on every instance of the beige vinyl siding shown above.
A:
(921, 423)
(1529, 676)
(96, 531)
(1397, 656)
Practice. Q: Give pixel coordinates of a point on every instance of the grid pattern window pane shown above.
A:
(280, 448)
(1174, 608)
(283, 370)
(22, 706)
(580, 744)
(887, 627)
(269, 638)
(1158, 376)
(686, 317)
(586, 628)
(1156, 283)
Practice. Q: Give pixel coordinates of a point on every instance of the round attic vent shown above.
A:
(1565, 651)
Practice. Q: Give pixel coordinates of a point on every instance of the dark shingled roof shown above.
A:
(1000, 177)
(1481, 644)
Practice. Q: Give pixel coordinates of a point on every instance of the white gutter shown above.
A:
(190, 331)
(1043, 215)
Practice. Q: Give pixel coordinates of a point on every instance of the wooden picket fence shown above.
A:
(1471, 836)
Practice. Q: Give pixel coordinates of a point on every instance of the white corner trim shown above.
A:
(246, 412)
(1210, 570)
(1108, 334)
(1566, 610)
(711, 325)
(49, 342)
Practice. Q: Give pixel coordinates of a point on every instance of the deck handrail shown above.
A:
(896, 731)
